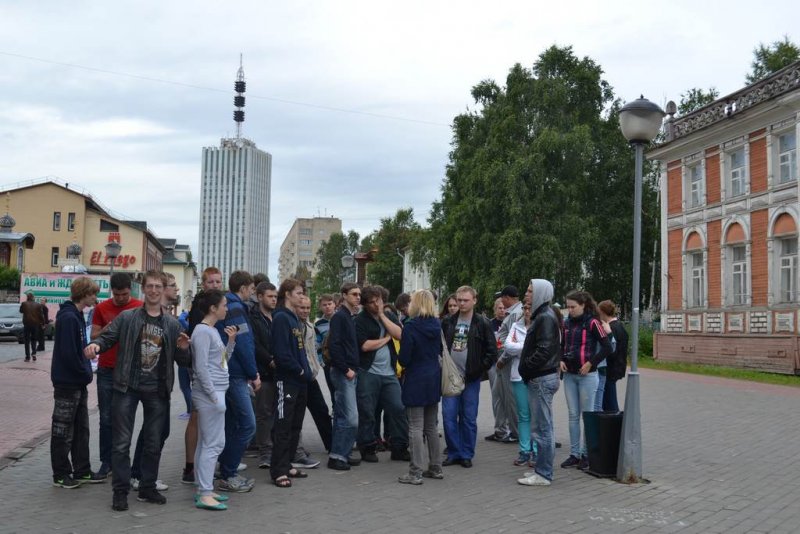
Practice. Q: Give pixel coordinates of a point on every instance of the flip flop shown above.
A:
(296, 473)
(215, 507)
(221, 497)
(283, 482)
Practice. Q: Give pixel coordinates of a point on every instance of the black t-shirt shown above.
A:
(151, 346)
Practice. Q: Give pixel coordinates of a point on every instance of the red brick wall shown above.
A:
(758, 163)
(713, 278)
(758, 257)
(674, 270)
(674, 187)
(713, 193)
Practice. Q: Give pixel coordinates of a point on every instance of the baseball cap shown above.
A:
(508, 291)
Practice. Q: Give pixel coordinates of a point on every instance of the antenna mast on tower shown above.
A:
(238, 100)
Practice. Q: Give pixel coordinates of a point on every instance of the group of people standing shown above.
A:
(254, 358)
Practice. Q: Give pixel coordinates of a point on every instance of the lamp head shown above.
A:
(640, 120)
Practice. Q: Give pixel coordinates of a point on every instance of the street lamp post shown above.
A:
(347, 263)
(112, 252)
(640, 122)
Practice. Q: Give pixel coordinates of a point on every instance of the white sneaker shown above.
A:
(241, 467)
(534, 480)
(160, 486)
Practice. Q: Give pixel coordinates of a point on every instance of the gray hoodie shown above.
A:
(542, 292)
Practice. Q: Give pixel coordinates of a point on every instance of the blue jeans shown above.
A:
(580, 391)
(345, 415)
(601, 387)
(240, 426)
(185, 383)
(105, 394)
(523, 416)
(610, 402)
(123, 417)
(541, 391)
(460, 421)
(384, 391)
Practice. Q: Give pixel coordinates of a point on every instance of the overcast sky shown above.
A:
(81, 98)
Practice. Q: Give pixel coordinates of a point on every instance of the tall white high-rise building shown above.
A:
(235, 201)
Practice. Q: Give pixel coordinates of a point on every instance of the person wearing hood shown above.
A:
(70, 373)
(420, 348)
(539, 366)
(292, 375)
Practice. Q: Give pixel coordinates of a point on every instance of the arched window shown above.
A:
(20, 257)
(695, 269)
(785, 259)
(5, 254)
(736, 266)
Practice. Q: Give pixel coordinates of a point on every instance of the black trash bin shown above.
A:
(603, 431)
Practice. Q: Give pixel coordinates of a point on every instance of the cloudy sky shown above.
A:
(353, 99)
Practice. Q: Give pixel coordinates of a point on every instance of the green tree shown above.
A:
(9, 278)
(768, 59)
(388, 244)
(539, 184)
(695, 98)
(330, 274)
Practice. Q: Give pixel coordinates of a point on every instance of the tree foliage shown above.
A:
(330, 274)
(695, 98)
(388, 244)
(9, 278)
(768, 59)
(540, 185)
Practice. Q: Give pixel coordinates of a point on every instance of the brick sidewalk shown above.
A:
(719, 454)
(26, 398)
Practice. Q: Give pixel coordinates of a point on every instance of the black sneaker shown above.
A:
(188, 476)
(66, 482)
(466, 463)
(570, 462)
(338, 465)
(104, 471)
(401, 455)
(355, 462)
(90, 478)
(493, 437)
(152, 496)
(120, 502)
(584, 463)
(369, 456)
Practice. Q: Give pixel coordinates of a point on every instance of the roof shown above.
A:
(731, 106)
(168, 243)
(17, 237)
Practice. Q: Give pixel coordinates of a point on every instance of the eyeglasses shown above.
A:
(154, 286)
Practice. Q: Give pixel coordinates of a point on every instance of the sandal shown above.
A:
(296, 473)
(283, 482)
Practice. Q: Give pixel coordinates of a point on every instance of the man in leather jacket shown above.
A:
(539, 366)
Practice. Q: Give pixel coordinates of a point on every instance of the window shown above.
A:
(20, 258)
(106, 226)
(787, 157)
(739, 274)
(697, 277)
(788, 269)
(696, 186)
(305, 231)
(54, 256)
(56, 221)
(736, 174)
(305, 242)
(70, 221)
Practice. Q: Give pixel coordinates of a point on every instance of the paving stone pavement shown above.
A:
(720, 455)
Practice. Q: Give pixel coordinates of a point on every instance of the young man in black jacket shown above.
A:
(470, 338)
(539, 366)
(261, 319)
(71, 372)
(377, 380)
(343, 349)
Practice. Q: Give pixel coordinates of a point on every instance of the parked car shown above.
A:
(11, 322)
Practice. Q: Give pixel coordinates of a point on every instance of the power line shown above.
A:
(214, 89)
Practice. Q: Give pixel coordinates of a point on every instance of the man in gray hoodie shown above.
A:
(539, 367)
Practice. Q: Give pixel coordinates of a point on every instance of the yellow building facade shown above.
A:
(58, 215)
